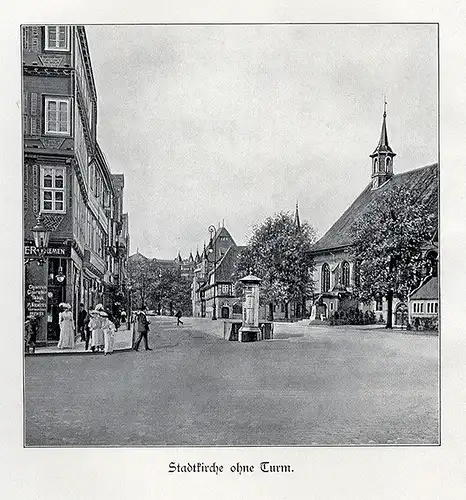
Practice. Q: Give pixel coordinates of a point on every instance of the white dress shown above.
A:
(95, 325)
(109, 335)
(65, 319)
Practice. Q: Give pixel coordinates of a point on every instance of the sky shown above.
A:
(235, 123)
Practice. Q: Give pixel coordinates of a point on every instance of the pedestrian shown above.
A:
(123, 317)
(143, 329)
(31, 333)
(65, 320)
(82, 315)
(108, 327)
(178, 316)
(87, 330)
(97, 340)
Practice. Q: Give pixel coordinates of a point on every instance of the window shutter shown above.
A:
(26, 121)
(25, 33)
(35, 32)
(35, 188)
(34, 113)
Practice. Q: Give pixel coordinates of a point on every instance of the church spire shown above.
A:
(382, 157)
(296, 220)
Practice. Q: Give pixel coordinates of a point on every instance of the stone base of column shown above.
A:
(249, 333)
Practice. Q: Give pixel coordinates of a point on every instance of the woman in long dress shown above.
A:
(108, 328)
(65, 319)
(97, 334)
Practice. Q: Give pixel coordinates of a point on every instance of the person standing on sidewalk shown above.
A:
(108, 327)
(178, 317)
(82, 315)
(143, 329)
(65, 319)
(95, 325)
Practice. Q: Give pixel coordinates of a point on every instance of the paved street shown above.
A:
(333, 387)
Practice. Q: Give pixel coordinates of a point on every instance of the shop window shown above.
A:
(52, 189)
(57, 115)
(57, 38)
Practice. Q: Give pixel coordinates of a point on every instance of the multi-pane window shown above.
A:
(57, 38)
(52, 189)
(345, 273)
(325, 278)
(57, 115)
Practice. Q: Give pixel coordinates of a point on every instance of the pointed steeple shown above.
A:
(179, 259)
(382, 157)
(296, 219)
(191, 258)
(383, 145)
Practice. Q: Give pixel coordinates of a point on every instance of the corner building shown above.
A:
(67, 179)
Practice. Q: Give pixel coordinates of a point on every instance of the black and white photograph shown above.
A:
(231, 235)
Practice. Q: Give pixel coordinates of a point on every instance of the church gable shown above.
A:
(423, 181)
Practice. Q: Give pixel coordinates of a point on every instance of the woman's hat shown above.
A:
(99, 307)
(103, 314)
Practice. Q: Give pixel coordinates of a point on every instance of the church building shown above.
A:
(334, 271)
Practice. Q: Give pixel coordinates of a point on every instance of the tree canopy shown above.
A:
(278, 253)
(160, 288)
(389, 244)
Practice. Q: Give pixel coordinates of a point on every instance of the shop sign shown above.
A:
(32, 251)
(36, 300)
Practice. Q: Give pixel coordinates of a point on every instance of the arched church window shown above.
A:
(325, 278)
(345, 274)
(375, 165)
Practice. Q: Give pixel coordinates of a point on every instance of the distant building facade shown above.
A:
(67, 179)
(335, 272)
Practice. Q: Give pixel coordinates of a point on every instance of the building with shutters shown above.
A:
(67, 179)
(335, 272)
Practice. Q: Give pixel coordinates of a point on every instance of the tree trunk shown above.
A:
(286, 310)
(389, 309)
(271, 311)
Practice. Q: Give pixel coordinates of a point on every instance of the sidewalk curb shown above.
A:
(71, 353)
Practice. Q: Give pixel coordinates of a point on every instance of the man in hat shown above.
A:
(143, 329)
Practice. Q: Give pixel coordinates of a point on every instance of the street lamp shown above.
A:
(213, 248)
(60, 276)
(41, 240)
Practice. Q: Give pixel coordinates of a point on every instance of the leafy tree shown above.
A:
(159, 288)
(389, 240)
(277, 252)
(140, 275)
(170, 291)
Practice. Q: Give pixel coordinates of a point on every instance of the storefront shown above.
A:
(46, 286)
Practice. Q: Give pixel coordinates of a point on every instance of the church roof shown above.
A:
(422, 180)
(427, 291)
(137, 256)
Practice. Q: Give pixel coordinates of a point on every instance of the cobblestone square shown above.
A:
(329, 387)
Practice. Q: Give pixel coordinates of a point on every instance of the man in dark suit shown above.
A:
(143, 329)
(82, 315)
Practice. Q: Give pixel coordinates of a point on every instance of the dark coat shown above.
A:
(143, 323)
